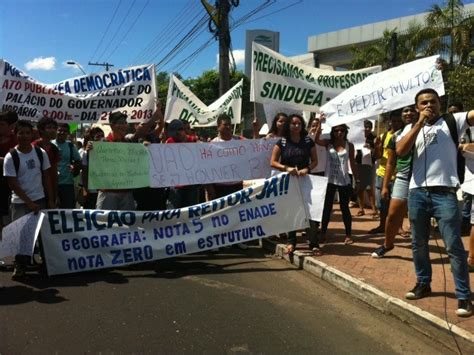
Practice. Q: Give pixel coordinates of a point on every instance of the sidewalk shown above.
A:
(384, 282)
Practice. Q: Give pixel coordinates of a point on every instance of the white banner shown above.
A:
(85, 99)
(278, 80)
(386, 91)
(19, 237)
(182, 104)
(81, 240)
(205, 163)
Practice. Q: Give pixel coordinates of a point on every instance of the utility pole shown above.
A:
(224, 42)
(219, 15)
(106, 65)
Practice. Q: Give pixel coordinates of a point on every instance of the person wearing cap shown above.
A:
(181, 196)
(122, 199)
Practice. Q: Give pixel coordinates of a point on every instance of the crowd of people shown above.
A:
(410, 167)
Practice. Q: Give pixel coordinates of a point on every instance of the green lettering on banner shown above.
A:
(118, 166)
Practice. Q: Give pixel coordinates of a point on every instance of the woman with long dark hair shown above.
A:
(276, 130)
(340, 155)
(295, 153)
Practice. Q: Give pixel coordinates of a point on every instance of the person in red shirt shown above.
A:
(7, 142)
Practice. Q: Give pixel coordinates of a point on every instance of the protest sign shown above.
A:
(385, 91)
(84, 99)
(278, 80)
(19, 237)
(182, 104)
(205, 163)
(118, 166)
(81, 240)
(313, 189)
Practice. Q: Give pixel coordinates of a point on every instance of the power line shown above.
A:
(106, 30)
(168, 31)
(129, 29)
(117, 31)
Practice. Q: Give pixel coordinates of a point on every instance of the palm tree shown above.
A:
(451, 21)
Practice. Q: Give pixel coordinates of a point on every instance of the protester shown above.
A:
(468, 188)
(96, 134)
(25, 168)
(340, 156)
(433, 193)
(181, 196)
(295, 153)
(122, 199)
(466, 138)
(68, 167)
(398, 203)
(47, 129)
(276, 130)
(365, 159)
(381, 153)
(7, 142)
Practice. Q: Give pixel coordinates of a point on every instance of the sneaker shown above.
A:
(419, 291)
(380, 252)
(18, 272)
(464, 308)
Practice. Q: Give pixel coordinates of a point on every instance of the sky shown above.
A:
(40, 36)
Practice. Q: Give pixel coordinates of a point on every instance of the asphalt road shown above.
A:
(229, 302)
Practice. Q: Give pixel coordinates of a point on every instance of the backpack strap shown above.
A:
(70, 153)
(16, 159)
(453, 130)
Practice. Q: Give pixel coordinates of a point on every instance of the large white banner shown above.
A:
(80, 240)
(278, 80)
(182, 104)
(386, 91)
(205, 163)
(84, 99)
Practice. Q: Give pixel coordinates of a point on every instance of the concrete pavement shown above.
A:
(383, 283)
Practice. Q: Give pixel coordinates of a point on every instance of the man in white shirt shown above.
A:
(433, 188)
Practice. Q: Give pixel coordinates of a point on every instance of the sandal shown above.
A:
(360, 213)
(348, 241)
(290, 249)
(317, 251)
(404, 233)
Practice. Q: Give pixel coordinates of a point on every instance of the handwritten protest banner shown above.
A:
(19, 237)
(182, 104)
(205, 163)
(278, 80)
(80, 240)
(83, 99)
(385, 91)
(118, 166)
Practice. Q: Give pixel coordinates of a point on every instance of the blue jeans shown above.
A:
(466, 207)
(443, 206)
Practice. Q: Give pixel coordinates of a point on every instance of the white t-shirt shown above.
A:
(337, 169)
(322, 157)
(435, 157)
(29, 174)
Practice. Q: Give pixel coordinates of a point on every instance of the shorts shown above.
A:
(400, 189)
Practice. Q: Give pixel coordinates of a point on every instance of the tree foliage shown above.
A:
(461, 85)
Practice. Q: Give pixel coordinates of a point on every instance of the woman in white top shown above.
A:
(340, 153)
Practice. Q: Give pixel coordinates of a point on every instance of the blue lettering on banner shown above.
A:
(241, 197)
(85, 262)
(230, 237)
(257, 212)
(160, 216)
(271, 188)
(101, 241)
(82, 220)
(130, 255)
(175, 249)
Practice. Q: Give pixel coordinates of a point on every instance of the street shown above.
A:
(232, 301)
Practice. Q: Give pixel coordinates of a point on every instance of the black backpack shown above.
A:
(451, 122)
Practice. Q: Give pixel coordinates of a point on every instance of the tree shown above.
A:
(461, 85)
(452, 21)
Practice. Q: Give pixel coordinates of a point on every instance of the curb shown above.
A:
(425, 322)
